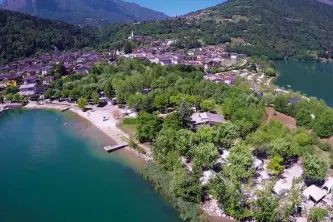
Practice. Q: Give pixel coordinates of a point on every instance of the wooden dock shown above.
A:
(110, 149)
(65, 109)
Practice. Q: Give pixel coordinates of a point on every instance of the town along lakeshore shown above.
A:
(52, 172)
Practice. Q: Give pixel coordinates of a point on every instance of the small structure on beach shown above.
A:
(110, 149)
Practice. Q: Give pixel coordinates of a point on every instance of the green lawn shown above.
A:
(130, 129)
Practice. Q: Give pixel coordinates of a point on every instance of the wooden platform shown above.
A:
(65, 109)
(110, 149)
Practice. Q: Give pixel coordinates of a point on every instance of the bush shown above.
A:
(317, 214)
(129, 121)
(324, 146)
(132, 144)
(160, 178)
(141, 150)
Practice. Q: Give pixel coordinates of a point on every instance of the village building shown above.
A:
(28, 90)
(314, 193)
(207, 118)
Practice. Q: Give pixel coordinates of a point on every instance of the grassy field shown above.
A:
(130, 129)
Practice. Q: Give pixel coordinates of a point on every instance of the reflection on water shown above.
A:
(312, 79)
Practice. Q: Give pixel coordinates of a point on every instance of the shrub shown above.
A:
(317, 214)
(324, 146)
(141, 150)
(132, 144)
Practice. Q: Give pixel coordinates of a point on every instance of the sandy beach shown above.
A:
(95, 117)
(109, 127)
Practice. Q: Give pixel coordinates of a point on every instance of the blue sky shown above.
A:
(176, 7)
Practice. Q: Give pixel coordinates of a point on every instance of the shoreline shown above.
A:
(109, 128)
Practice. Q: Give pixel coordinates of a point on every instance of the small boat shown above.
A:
(289, 86)
(65, 124)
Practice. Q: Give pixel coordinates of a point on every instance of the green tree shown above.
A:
(266, 206)
(317, 214)
(95, 98)
(185, 113)
(240, 163)
(82, 103)
(163, 145)
(16, 97)
(75, 94)
(161, 102)
(9, 97)
(324, 124)
(304, 118)
(281, 103)
(57, 94)
(280, 147)
(128, 48)
(11, 90)
(270, 72)
(314, 168)
(230, 197)
(226, 134)
(269, 98)
(148, 126)
(185, 141)
(2, 99)
(108, 89)
(60, 69)
(65, 93)
(173, 121)
(185, 185)
(275, 165)
(205, 155)
(207, 105)
(48, 93)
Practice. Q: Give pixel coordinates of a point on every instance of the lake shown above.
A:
(51, 172)
(313, 79)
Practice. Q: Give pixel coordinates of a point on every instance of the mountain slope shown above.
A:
(278, 29)
(23, 35)
(329, 2)
(92, 12)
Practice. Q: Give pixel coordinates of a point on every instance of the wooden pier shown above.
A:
(110, 149)
(65, 109)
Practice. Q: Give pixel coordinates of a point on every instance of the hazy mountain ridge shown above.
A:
(329, 2)
(84, 11)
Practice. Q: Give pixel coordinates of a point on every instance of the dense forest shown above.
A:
(175, 91)
(23, 35)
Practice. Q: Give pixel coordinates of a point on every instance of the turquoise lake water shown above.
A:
(313, 79)
(55, 173)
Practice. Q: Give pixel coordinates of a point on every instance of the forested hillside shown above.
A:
(279, 29)
(87, 12)
(23, 35)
